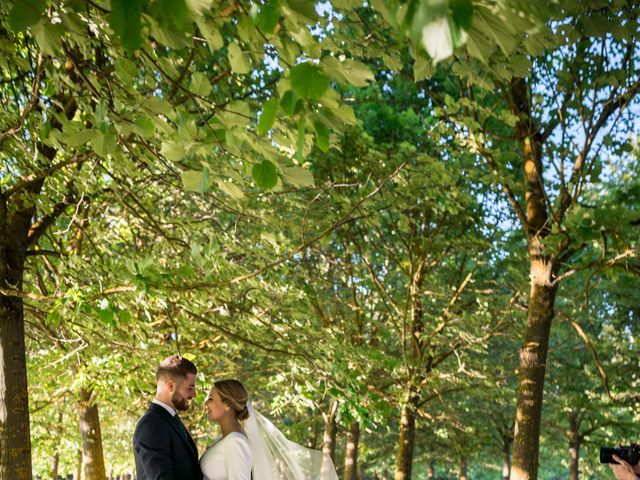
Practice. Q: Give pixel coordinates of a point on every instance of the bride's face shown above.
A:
(215, 407)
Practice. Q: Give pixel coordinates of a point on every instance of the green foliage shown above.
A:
(125, 22)
(258, 188)
(265, 174)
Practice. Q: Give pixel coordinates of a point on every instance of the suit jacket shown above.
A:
(163, 449)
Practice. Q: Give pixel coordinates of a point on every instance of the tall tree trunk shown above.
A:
(77, 475)
(542, 268)
(18, 232)
(92, 455)
(431, 470)
(15, 442)
(406, 442)
(330, 430)
(463, 469)
(533, 358)
(329, 438)
(351, 454)
(55, 461)
(574, 446)
(506, 457)
(404, 458)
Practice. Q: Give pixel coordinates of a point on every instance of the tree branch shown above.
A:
(35, 96)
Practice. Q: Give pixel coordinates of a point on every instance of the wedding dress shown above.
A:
(264, 454)
(228, 459)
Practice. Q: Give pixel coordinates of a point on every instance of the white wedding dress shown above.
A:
(228, 459)
(264, 454)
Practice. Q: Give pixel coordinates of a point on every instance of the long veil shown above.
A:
(277, 458)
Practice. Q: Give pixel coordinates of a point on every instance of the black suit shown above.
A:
(163, 449)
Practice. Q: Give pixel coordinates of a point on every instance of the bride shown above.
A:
(251, 447)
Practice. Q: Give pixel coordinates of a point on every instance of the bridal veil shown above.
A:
(277, 458)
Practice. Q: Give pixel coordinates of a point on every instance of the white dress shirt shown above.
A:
(165, 406)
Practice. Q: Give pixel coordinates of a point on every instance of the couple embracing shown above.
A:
(250, 448)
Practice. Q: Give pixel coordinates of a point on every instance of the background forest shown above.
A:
(411, 227)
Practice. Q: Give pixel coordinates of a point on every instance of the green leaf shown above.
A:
(200, 84)
(298, 177)
(268, 115)
(169, 36)
(357, 73)
(393, 62)
(441, 26)
(231, 189)
(349, 72)
(265, 174)
(347, 4)
(211, 34)
(145, 127)
(172, 150)
(125, 22)
(240, 62)
(48, 36)
(322, 135)
(461, 13)
(77, 139)
(199, 6)
(346, 114)
(291, 103)
(308, 81)
(26, 13)
(158, 105)
(195, 181)
(422, 69)
(104, 144)
(305, 9)
(126, 69)
(268, 17)
(107, 316)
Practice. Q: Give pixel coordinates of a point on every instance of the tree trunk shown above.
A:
(404, 458)
(385, 474)
(15, 442)
(77, 475)
(542, 269)
(574, 446)
(506, 457)
(55, 460)
(533, 357)
(329, 439)
(92, 455)
(431, 470)
(351, 454)
(463, 469)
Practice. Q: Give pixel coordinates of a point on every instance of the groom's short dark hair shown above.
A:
(175, 367)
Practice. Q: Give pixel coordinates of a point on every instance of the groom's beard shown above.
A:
(181, 403)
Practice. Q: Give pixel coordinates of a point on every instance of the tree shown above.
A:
(96, 97)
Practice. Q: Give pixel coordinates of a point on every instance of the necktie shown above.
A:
(181, 427)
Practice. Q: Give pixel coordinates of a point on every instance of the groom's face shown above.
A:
(185, 391)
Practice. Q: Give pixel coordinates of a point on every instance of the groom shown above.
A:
(162, 446)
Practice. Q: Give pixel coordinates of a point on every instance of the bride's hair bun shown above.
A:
(235, 395)
(243, 414)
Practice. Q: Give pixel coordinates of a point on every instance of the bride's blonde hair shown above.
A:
(234, 394)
